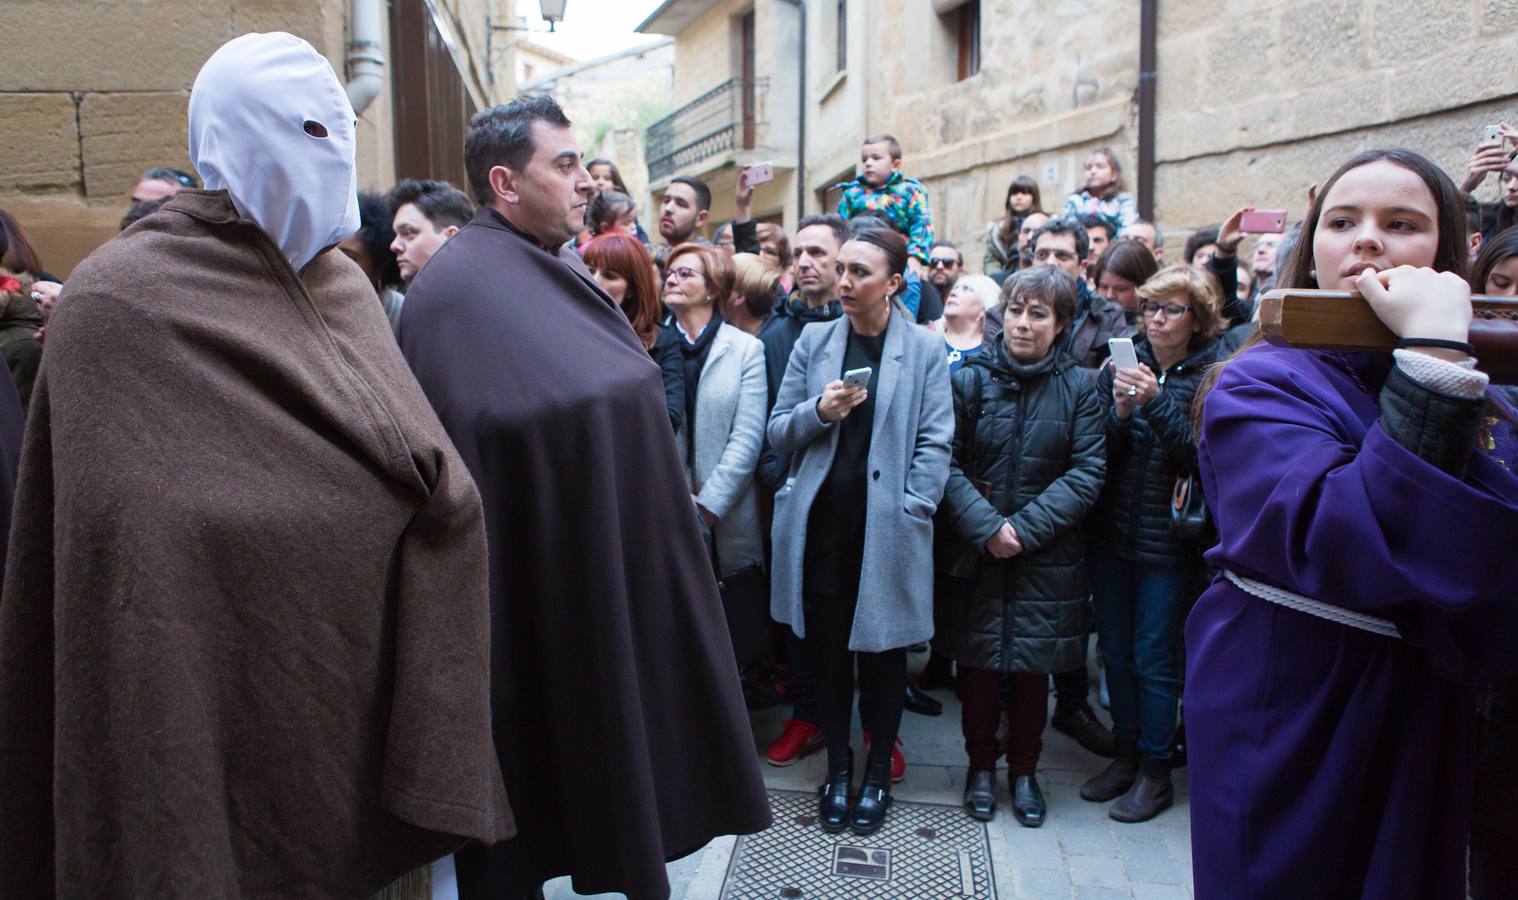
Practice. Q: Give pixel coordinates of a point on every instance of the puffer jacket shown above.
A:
(1034, 433)
(1097, 320)
(1131, 519)
(19, 321)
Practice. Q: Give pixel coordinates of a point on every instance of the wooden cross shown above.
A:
(1342, 320)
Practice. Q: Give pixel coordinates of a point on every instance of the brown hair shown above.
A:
(887, 139)
(768, 231)
(1117, 186)
(718, 272)
(16, 251)
(1127, 259)
(1199, 288)
(619, 252)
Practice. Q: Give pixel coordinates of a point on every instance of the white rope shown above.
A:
(1373, 624)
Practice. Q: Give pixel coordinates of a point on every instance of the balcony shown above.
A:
(723, 119)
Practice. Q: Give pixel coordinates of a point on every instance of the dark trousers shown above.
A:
(1072, 689)
(1138, 615)
(980, 713)
(882, 679)
(802, 687)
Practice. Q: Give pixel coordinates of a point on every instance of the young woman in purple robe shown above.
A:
(1366, 570)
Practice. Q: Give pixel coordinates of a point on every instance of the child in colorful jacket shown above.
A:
(882, 185)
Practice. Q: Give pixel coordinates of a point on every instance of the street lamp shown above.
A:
(552, 11)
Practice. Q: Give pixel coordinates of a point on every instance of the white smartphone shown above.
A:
(1489, 134)
(1123, 356)
(759, 173)
(860, 378)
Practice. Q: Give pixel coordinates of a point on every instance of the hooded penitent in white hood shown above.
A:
(271, 125)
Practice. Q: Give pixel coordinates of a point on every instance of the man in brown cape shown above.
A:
(243, 633)
(618, 716)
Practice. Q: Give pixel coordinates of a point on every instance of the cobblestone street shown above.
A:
(1079, 854)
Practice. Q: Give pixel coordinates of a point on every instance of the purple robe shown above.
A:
(1327, 761)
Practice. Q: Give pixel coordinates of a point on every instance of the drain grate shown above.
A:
(924, 850)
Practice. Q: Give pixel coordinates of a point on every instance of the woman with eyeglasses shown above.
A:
(1142, 575)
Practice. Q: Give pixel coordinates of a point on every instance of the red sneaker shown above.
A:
(797, 740)
(898, 761)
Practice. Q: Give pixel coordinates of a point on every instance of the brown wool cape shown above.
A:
(243, 632)
(618, 716)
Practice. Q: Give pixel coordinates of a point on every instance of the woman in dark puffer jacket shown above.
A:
(1143, 576)
(1030, 431)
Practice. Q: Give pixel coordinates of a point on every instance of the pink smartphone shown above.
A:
(759, 173)
(1263, 221)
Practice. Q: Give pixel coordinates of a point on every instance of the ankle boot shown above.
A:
(833, 796)
(1027, 801)
(1117, 778)
(980, 794)
(873, 800)
(1150, 795)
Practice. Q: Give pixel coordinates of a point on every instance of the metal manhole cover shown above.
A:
(924, 850)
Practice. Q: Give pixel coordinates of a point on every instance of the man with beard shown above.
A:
(618, 717)
(685, 208)
(945, 265)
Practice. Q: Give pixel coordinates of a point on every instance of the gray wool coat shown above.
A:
(908, 466)
(730, 402)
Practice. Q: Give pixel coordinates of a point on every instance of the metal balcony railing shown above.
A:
(727, 117)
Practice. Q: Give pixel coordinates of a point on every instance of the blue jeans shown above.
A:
(1138, 618)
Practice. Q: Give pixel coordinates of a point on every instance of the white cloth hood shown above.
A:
(271, 125)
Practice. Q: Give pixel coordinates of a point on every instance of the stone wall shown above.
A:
(95, 92)
(1256, 101)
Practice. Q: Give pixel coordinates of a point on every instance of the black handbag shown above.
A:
(1189, 518)
(746, 604)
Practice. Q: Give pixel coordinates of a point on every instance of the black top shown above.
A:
(835, 526)
(693, 357)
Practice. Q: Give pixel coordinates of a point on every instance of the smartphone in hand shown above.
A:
(859, 378)
(1263, 221)
(759, 173)
(1123, 355)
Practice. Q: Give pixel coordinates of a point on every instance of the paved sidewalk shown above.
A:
(1079, 853)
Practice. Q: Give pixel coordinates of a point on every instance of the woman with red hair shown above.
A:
(622, 267)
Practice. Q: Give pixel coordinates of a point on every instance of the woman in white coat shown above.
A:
(725, 397)
(853, 530)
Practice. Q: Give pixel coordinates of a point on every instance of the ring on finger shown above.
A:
(1132, 391)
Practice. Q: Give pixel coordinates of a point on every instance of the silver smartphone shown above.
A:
(859, 378)
(1490, 133)
(1123, 356)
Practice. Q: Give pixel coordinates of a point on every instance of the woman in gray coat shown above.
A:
(1028, 464)
(853, 530)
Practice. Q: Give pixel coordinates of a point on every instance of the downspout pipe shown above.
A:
(1148, 27)
(801, 113)
(366, 58)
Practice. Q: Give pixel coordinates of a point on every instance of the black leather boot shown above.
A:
(1027, 801)
(1150, 795)
(833, 796)
(980, 794)
(1080, 722)
(922, 704)
(873, 800)
(1117, 778)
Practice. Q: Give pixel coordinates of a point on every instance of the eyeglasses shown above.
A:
(684, 273)
(940, 263)
(1171, 310)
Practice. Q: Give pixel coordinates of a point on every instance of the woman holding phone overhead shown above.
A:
(853, 531)
(1366, 547)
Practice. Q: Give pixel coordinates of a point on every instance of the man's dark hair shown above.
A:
(442, 203)
(1199, 239)
(1089, 221)
(374, 217)
(887, 139)
(949, 245)
(142, 210)
(703, 193)
(172, 176)
(502, 136)
(1064, 226)
(839, 227)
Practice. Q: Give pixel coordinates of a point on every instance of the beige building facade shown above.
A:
(736, 99)
(1255, 101)
(93, 93)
